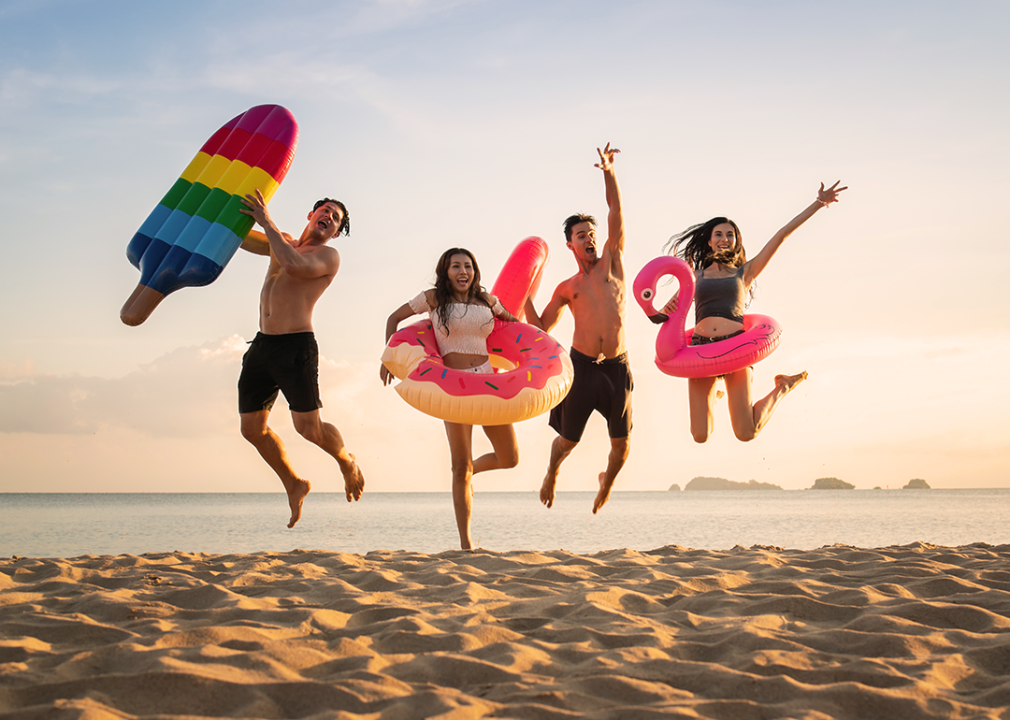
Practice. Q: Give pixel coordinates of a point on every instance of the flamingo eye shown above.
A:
(647, 294)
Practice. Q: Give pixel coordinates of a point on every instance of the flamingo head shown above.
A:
(645, 297)
(647, 281)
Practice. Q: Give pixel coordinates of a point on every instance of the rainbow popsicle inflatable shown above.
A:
(197, 227)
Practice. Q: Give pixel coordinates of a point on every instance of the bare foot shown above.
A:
(788, 382)
(547, 489)
(354, 481)
(604, 494)
(296, 495)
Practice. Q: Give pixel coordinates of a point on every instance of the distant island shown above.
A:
(717, 483)
(674, 488)
(832, 483)
(917, 484)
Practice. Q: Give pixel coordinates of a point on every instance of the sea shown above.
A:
(76, 524)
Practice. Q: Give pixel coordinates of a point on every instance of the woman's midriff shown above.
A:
(463, 361)
(717, 327)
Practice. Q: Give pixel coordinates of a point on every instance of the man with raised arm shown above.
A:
(603, 379)
(284, 357)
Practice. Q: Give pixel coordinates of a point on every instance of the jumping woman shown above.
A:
(724, 281)
(462, 315)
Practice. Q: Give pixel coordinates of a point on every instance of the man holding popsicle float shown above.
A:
(190, 237)
(283, 357)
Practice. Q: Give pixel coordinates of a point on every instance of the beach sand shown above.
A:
(915, 631)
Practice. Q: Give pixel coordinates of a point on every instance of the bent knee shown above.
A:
(313, 432)
(509, 460)
(745, 435)
(253, 433)
(565, 445)
(309, 433)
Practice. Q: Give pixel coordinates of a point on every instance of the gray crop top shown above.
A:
(724, 297)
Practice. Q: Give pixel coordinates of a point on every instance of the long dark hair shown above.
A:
(444, 296)
(692, 245)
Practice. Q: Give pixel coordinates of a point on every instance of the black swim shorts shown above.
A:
(603, 386)
(284, 363)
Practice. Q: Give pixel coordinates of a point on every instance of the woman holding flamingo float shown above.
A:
(462, 315)
(724, 280)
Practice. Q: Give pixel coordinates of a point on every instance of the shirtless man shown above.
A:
(603, 379)
(283, 356)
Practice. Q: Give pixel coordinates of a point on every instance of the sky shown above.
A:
(475, 123)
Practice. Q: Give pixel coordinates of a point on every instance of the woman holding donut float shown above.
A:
(724, 280)
(462, 316)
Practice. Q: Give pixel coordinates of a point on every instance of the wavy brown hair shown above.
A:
(692, 245)
(444, 296)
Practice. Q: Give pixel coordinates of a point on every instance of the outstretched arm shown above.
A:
(552, 313)
(825, 196)
(304, 265)
(615, 216)
(392, 323)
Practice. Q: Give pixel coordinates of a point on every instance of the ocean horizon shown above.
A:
(75, 524)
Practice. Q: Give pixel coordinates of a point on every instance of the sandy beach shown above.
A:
(915, 631)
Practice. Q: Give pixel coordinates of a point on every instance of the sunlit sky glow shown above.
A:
(471, 123)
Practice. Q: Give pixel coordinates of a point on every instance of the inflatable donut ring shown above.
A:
(533, 374)
(674, 353)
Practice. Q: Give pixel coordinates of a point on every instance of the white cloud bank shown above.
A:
(185, 393)
(873, 413)
(172, 426)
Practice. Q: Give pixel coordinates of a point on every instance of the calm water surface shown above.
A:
(69, 525)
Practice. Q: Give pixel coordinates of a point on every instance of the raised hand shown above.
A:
(257, 208)
(830, 195)
(607, 158)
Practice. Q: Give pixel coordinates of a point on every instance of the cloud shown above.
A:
(11, 371)
(21, 88)
(173, 423)
(187, 392)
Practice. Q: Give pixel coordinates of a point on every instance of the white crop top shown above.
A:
(469, 325)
